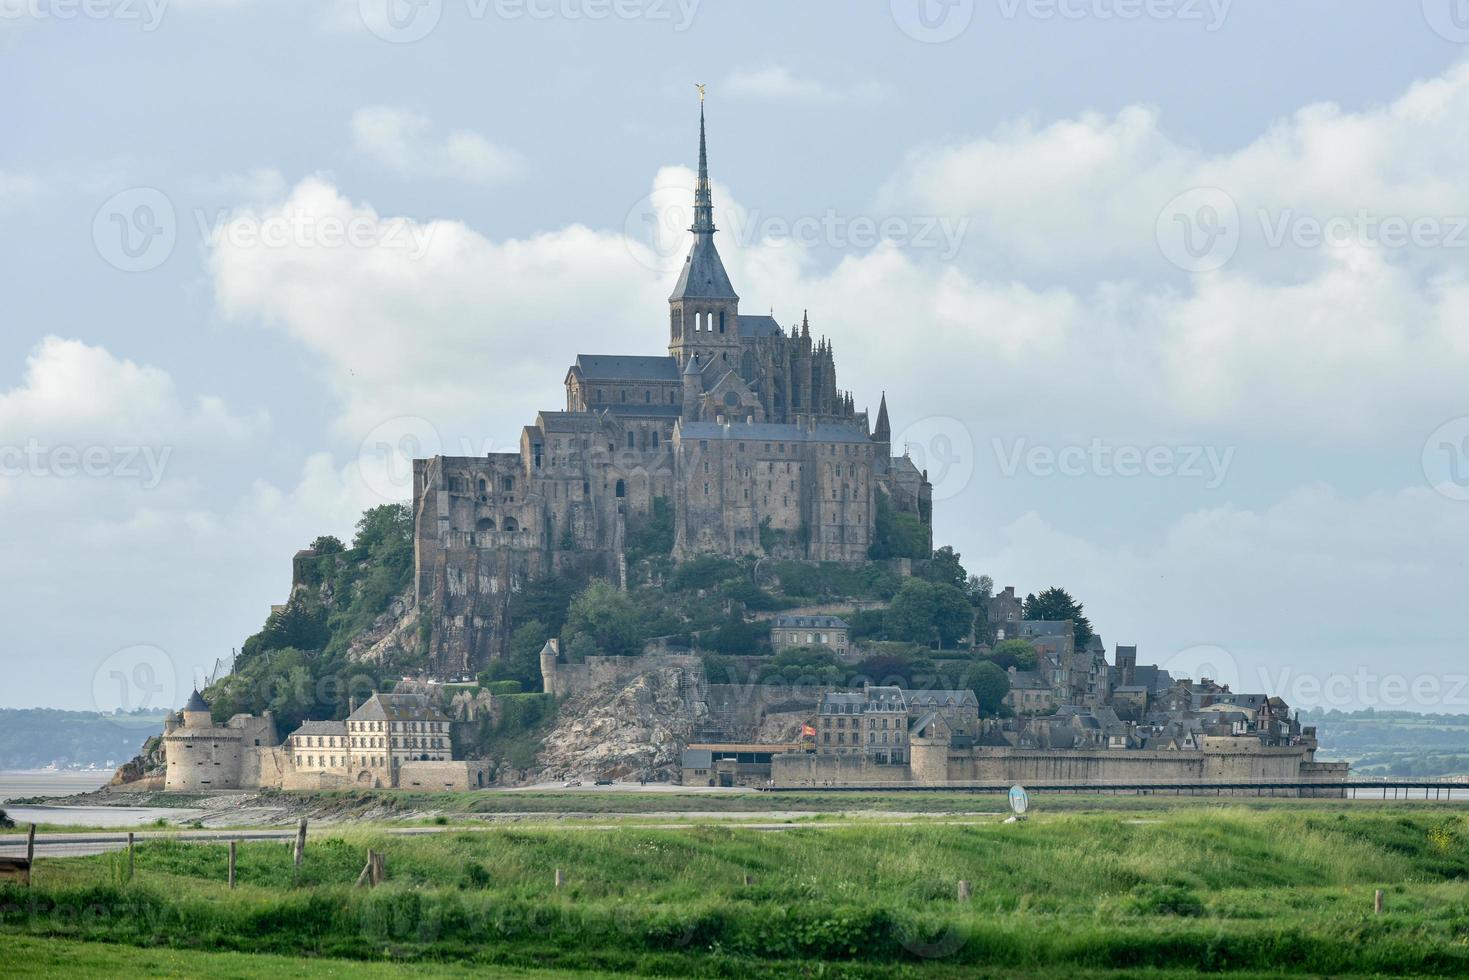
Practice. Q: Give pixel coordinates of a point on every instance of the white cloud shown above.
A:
(469, 333)
(1085, 193)
(776, 82)
(404, 143)
(16, 188)
(1284, 589)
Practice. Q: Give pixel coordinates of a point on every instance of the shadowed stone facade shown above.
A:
(740, 428)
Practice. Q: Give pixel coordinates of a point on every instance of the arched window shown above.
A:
(721, 321)
(632, 440)
(621, 488)
(508, 484)
(747, 366)
(485, 524)
(511, 524)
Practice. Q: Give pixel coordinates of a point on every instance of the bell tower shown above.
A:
(704, 308)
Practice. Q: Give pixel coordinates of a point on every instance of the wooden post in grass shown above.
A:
(30, 853)
(379, 868)
(131, 865)
(365, 878)
(560, 878)
(232, 864)
(300, 854)
(1377, 901)
(749, 881)
(964, 891)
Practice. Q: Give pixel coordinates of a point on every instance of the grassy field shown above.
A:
(1263, 888)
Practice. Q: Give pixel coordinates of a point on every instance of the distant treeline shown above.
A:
(33, 738)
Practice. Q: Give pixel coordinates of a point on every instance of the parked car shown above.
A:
(570, 783)
(604, 781)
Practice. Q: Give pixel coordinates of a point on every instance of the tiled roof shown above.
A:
(773, 432)
(338, 728)
(397, 707)
(814, 622)
(759, 326)
(620, 367)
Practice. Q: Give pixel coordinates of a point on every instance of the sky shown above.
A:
(1168, 296)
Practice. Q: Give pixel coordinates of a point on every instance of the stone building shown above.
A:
(200, 755)
(809, 631)
(391, 741)
(872, 723)
(740, 431)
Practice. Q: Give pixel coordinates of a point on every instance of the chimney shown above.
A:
(352, 705)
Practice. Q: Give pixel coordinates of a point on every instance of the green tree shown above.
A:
(328, 544)
(923, 612)
(944, 568)
(546, 599)
(896, 534)
(301, 623)
(1056, 604)
(383, 529)
(522, 660)
(990, 684)
(805, 665)
(608, 616)
(1014, 653)
(736, 636)
(580, 646)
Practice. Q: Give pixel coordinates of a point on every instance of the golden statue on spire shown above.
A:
(700, 87)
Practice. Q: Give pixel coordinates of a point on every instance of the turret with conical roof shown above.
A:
(704, 308)
(196, 712)
(883, 432)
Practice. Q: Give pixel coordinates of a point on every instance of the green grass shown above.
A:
(1188, 887)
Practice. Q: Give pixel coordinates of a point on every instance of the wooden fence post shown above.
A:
(232, 864)
(964, 891)
(131, 865)
(30, 853)
(560, 877)
(300, 844)
(1377, 902)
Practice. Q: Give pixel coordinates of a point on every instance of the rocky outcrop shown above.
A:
(634, 729)
(148, 762)
(393, 634)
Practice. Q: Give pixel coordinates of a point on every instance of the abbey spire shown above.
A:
(704, 308)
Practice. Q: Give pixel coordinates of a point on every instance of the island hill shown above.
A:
(709, 566)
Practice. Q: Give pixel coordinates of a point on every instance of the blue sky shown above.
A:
(1289, 391)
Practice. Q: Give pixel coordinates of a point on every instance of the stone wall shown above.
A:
(935, 763)
(443, 776)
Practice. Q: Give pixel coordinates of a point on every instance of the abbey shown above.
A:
(740, 432)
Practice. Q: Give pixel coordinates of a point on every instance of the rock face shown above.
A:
(148, 762)
(630, 730)
(393, 634)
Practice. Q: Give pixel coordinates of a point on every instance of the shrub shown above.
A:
(1165, 900)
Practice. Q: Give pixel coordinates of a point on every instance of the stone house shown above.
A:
(319, 746)
(808, 631)
(1030, 693)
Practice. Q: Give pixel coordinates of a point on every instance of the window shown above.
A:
(621, 488)
(632, 440)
